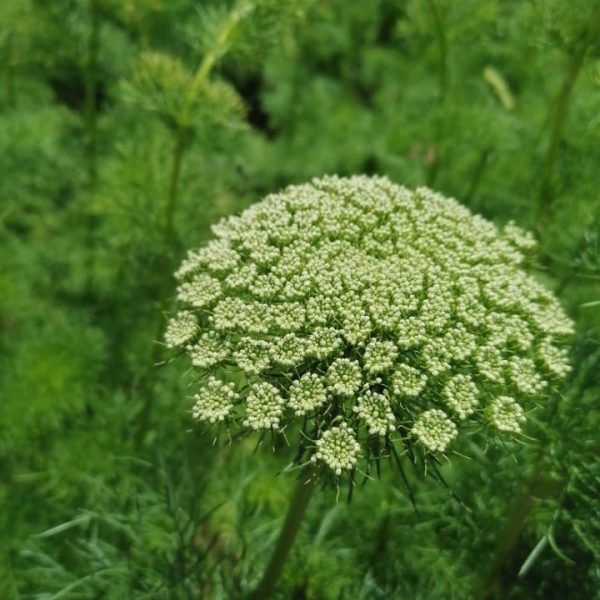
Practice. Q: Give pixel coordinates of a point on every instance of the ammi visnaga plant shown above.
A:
(366, 316)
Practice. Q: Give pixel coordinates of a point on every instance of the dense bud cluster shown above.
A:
(264, 406)
(361, 309)
(338, 449)
(181, 329)
(214, 401)
(506, 414)
(461, 395)
(307, 394)
(343, 377)
(434, 430)
(375, 410)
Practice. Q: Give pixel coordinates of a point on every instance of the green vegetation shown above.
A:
(127, 128)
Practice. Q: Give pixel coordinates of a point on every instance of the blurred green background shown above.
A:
(128, 127)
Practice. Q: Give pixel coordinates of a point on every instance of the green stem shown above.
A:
(536, 485)
(165, 283)
(545, 195)
(173, 189)
(168, 234)
(211, 58)
(476, 179)
(90, 118)
(514, 525)
(440, 32)
(184, 121)
(287, 535)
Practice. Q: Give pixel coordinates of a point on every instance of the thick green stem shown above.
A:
(287, 535)
(517, 517)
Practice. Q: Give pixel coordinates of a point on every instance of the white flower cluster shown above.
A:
(357, 301)
(344, 377)
(375, 410)
(434, 430)
(555, 359)
(407, 381)
(380, 355)
(525, 376)
(200, 291)
(214, 401)
(181, 329)
(209, 350)
(461, 395)
(264, 406)
(505, 414)
(338, 449)
(307, 394)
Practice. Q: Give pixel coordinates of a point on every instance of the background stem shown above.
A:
(545, 196)
(440, 32)
(290, 528)
(182, 133)
(165, 283)
(168, 234)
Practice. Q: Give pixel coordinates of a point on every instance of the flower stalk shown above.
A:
(293, 519)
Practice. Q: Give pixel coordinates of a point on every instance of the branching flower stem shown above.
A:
(181, 135)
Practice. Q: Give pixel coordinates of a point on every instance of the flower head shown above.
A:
(264, 406)
(181, 329)
(461, 395)
(505, 414)
(307, 394)
(344, 377)
(338, 448)
(357, 309)
(375, 410)
(214, 401)
(434, 430)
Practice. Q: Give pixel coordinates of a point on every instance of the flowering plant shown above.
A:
(369, 315)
